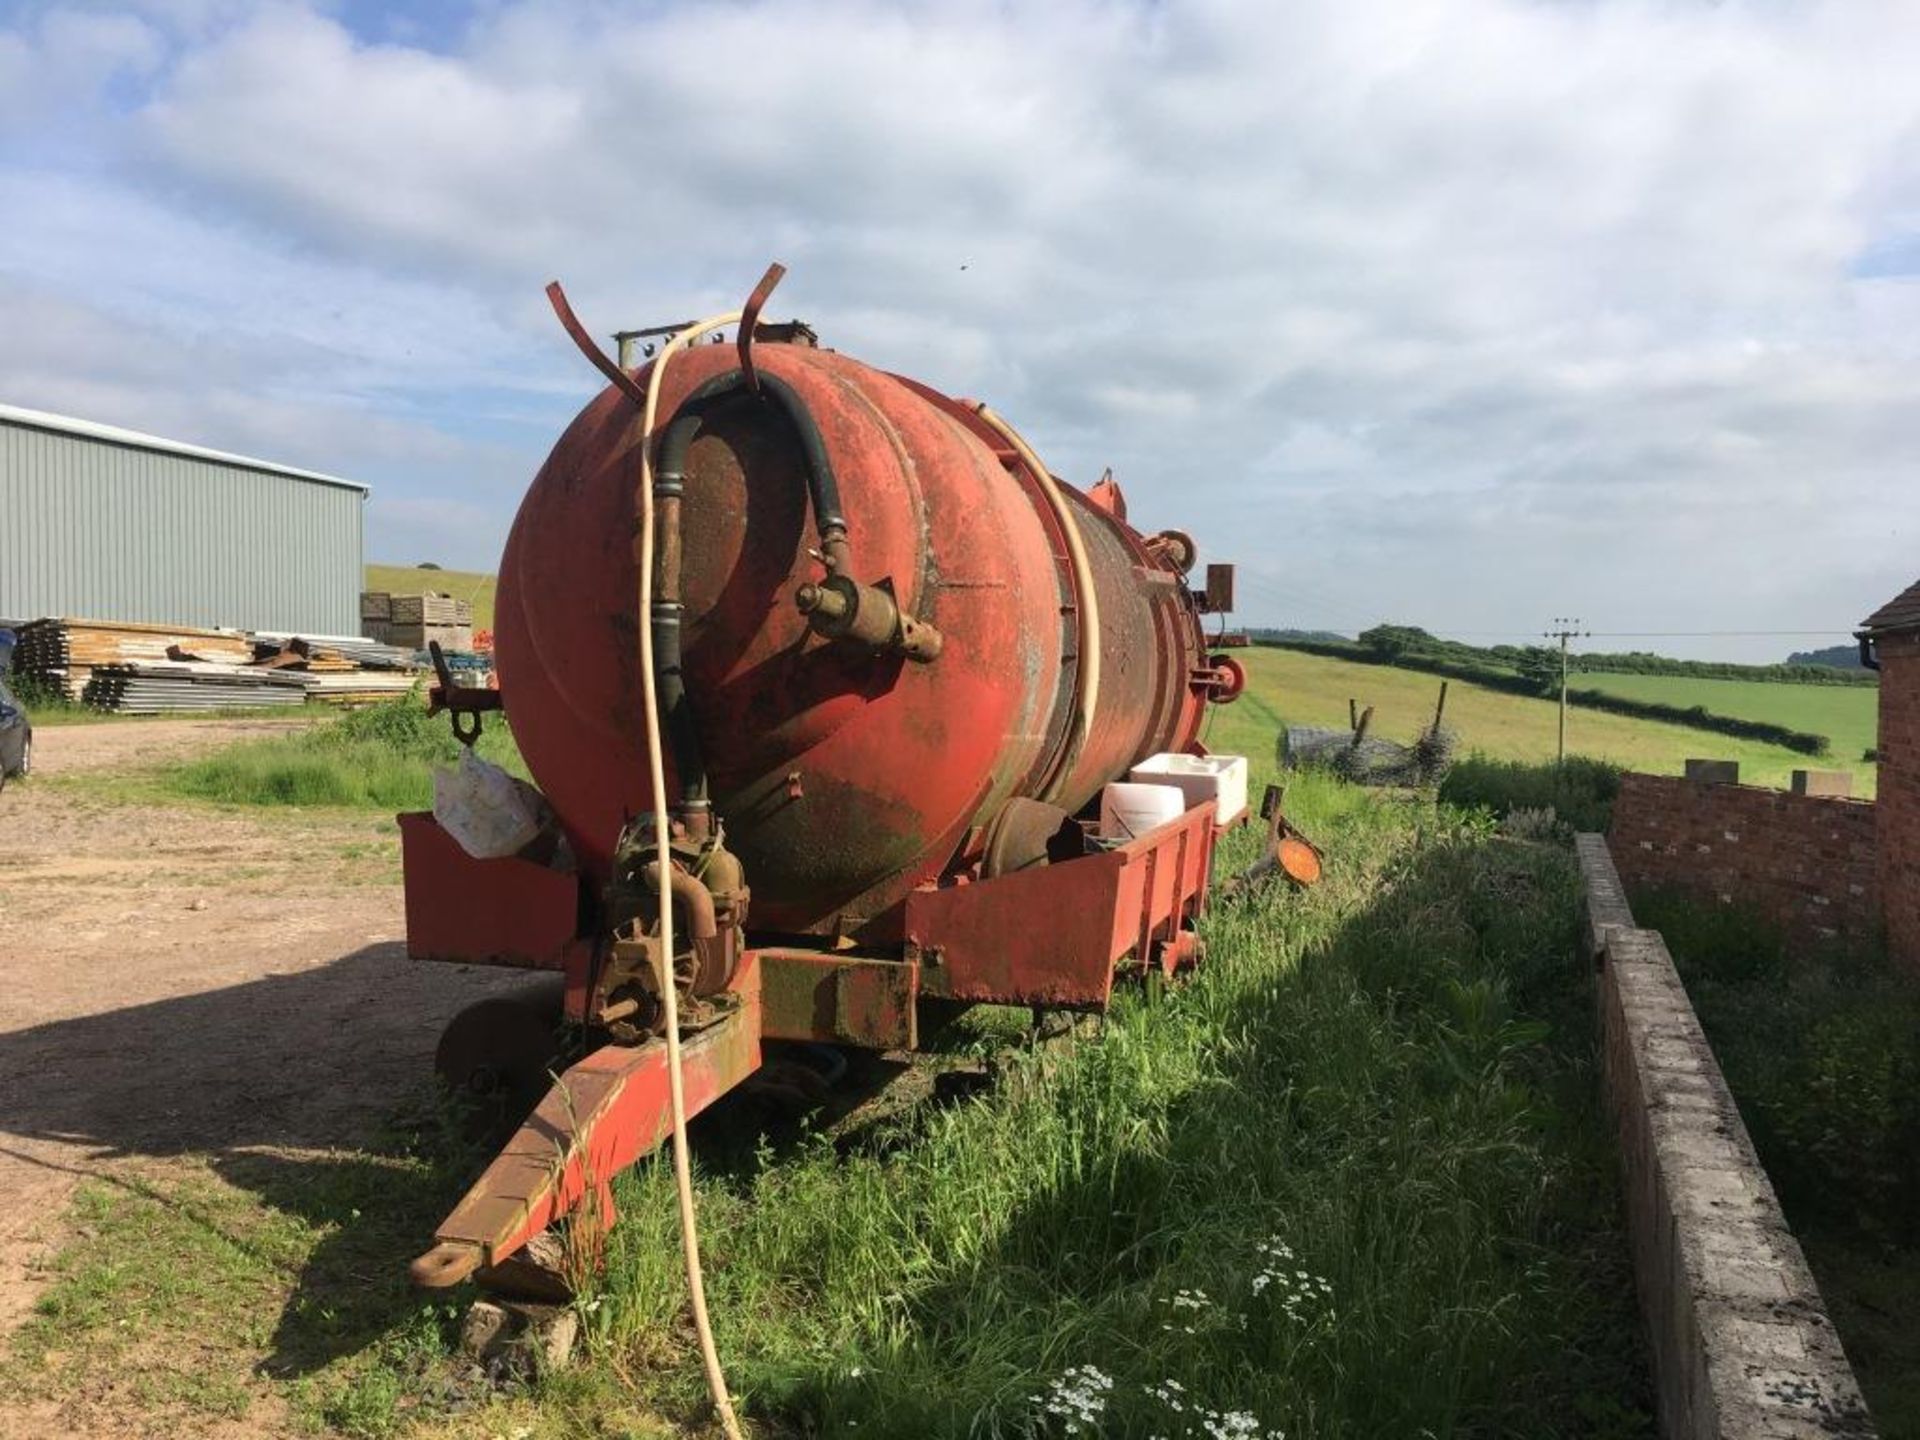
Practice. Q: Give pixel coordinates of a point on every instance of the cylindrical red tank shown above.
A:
(844, 778)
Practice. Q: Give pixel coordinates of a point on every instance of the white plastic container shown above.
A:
(1129, 811)
(1219, 778)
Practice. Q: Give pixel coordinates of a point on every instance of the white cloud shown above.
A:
(1463, 312)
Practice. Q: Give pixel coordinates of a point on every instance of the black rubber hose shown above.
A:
(822, 488)
(670, 683)
(670, 479)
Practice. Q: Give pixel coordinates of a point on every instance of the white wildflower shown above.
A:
(1078, 1397)
(1299, 1292)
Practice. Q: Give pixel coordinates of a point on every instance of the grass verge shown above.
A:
(1352, 1180)
(1580, 792)
(381, 757)
(1822, 1053)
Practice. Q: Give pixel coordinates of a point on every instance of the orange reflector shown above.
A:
(1300, 860)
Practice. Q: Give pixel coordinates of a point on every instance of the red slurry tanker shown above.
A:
(894, 662)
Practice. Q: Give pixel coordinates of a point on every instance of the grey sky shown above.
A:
(1465, 314)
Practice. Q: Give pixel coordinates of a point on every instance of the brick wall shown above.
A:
(1899, 870)
(1806, 862)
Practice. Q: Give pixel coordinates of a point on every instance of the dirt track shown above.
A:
(180, 981)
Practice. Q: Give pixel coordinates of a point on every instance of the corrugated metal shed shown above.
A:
(111, 524)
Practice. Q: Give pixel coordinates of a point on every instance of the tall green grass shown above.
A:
(1579, 791)
(1379, 1095)
(381, 757)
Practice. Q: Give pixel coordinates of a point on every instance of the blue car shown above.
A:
(16, 731)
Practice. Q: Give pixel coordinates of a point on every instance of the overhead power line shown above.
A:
(1446, 632)
(1684, 634)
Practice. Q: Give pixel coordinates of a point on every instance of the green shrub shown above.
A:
(1580, 792)
(401, 725)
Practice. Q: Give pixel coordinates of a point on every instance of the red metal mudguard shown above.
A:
(1050, 936)
(483, 912)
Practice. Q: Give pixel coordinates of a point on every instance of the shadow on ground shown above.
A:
(312, 1090)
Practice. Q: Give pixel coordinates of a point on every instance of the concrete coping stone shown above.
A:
(1743, 1348)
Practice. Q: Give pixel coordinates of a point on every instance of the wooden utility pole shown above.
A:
(1565, 628)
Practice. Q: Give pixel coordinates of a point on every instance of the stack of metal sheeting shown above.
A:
(368, 654)
(61, 653)
(164, 687)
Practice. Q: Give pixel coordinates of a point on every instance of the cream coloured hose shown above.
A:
(656, 773)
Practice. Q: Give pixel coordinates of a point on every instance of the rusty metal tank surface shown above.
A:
(844, 776)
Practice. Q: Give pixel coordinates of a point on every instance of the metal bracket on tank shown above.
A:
(464, 704)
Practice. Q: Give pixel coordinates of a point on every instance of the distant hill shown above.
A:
(1282, 637)
(470, 585)
(1840, 657)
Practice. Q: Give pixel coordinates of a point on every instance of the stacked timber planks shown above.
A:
(340, 672)
(359, 688)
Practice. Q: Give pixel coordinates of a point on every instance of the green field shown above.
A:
(461, 584)
(1289, 687)
(1848, 715)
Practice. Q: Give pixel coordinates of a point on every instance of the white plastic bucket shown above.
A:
(1128, 811)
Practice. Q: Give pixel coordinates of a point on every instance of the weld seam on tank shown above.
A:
(1086, 679)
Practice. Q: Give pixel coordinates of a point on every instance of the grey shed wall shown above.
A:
(104, 530)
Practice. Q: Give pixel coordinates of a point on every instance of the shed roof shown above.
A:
(1900, 613)
(114, 435)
